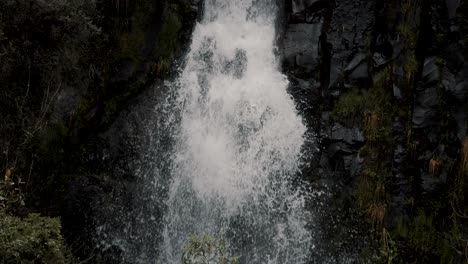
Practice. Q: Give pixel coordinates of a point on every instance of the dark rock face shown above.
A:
(301, 45)
(119, 200)
(299, 6)
(112, 212)
(349, 34)
(426, 95)
(407, 62)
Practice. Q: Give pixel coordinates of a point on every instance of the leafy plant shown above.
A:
(34, 239)
(203, 249)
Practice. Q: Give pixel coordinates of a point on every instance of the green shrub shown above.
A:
(202, 249)
(34, 239)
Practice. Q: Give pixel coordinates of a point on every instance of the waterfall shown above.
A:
(237, 144)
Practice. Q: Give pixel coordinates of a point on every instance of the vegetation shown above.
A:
(433, 228)
(203, 249)
(33, 239)
(30, 238)
(350, 107)
(58, 77)
(66, 70)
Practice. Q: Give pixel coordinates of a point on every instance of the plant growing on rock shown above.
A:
(203, 249)
(464, 156)
(434, 167)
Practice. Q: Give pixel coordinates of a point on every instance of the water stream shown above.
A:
(238, 141)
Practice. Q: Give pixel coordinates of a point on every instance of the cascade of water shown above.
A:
(238, 143)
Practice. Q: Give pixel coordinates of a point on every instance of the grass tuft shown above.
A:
(464, 156)
(434, 167)
(376, 214)
(371, 126)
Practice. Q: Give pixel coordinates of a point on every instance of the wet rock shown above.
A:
(396, 92)
(326, 116)
(100, 205)
(299, 6)
(355, 62)
(351, 26)
(431, 183)
(359, 73)
(353, 164)
(452, 6)
(379, 60)
(461, 116)
(427, 95)
(301, 45)
(427, 98)
(399, 154)
(338, 149)
(351, 136)
(398, 127)
(357, 68)
(421, 117)
(195, 5)
(431, 73)
(383, 46)
(456, 86)
(303, 85)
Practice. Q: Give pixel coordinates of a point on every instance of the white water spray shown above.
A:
(239, 142)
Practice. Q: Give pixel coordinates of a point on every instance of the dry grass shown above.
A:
(121, 4)
(371, 125)
(464, 156)
(161, 67)
(379, 191)
(8, 175)
(389, 249)
(376, 213)
(434, 167)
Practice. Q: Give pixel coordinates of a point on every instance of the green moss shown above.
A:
(131, 32)
(111, 108)
(129, 46)
(408, 33)
(350, 107)
(422, 234)
(374, 109)
(169, 36)
(34, 239)
(418, 238)
(411, 64)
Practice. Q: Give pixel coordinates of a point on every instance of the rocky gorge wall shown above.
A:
(69, 70)
(384, 87)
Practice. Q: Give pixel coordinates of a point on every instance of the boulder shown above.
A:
(300, 47)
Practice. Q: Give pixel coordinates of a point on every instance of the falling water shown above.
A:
(238, 142)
